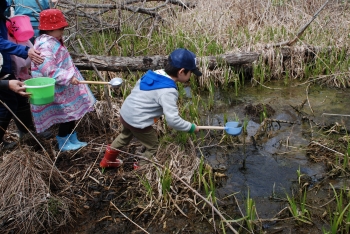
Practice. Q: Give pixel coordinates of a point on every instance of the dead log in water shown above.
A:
(144, 63)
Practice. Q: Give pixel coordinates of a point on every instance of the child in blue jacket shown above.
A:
(154, 95)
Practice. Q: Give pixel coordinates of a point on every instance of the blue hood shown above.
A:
(152, 81)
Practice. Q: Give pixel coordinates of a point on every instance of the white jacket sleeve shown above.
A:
(169, 103)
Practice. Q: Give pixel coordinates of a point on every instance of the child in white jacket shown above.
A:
(154, 95)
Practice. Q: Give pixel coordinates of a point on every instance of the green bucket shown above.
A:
(42, 90)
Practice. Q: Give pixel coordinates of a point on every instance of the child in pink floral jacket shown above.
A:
(72, 100)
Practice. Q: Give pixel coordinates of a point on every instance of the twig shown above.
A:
(279, 213)
(37, 2)
(178, 207)
(88, 171)
(327, 148)
(327, 202)
(307, 97)
(213, 215)
(98, 182)
(103, 218)
(264, 85)
(240, 210)
(335, 114)
(8, 108)
(128, 218)
(57, 1)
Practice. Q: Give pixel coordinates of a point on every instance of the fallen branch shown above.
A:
(335, 115)
(103, 8)
(301, 31)
(144, 63)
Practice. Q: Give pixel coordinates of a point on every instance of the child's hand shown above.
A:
(196, 129)
(74, 81)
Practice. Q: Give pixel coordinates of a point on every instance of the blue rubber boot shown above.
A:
(64, 144)
(74, 139)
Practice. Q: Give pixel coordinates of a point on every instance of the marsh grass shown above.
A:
(299, 175)
(341, 213)
(217, 27)
(147, 185)
(299, 211)
(165, 180)
(251, 212)
(250, 219)
(206, 179)
(263, 114)
(245, 124)
(211, 97)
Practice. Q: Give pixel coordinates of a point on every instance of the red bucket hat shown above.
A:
(51, 19)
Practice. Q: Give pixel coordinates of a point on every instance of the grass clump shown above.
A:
(30, 201)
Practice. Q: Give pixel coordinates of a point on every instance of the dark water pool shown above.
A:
(270, 166)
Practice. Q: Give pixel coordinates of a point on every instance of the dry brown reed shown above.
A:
(180, 163)
(103, 119)
(30, 188)
(219, 18)
(239, 26)
(183, 164)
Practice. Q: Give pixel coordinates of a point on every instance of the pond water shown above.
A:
(268, 167)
